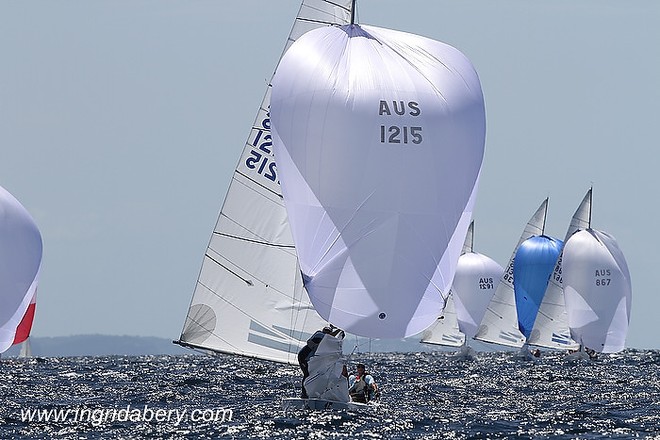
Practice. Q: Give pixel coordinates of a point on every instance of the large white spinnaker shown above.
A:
(249, 297)
(379, 137)
(500, 323)
(597, 290)
(551, 325)
(21, 250)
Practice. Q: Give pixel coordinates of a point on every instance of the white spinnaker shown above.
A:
(500, 323)
(476, 280)
(598, 291)
(379, 136)
(551, 325)
(249, 298)
(325, 379)
(21, 250)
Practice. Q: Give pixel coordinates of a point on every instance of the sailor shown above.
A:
(362, 386)
(306, 353)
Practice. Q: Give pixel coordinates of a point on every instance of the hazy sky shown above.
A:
(121, 123)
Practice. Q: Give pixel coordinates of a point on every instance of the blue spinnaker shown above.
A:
(535, 259)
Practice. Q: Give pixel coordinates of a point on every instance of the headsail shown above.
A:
(20, 260)
(500, 323)
(551, 325)
(379, 137)
(249, 298)
(597, 290)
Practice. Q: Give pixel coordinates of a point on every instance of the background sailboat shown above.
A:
(475, 282)
(20, 260)
(533, 264)
(249, 297)
(500, 323)
(597, 290)
(551, 325)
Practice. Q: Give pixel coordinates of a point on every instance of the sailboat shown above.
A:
(20, 261)
(551, 325)
(500, 323)
(371, 247)
(475, 282)
(249, 297)
(533, 265)
(597, 289)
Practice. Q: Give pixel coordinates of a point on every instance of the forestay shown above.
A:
(249, 298)
(379, 137)
(21, 250)
(598, 291)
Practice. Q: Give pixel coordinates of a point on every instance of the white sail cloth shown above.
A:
(597, 290)
(475, 282)
(20, 260)
(325, 380)
(379, 139)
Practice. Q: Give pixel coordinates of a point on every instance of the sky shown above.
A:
(121, 123)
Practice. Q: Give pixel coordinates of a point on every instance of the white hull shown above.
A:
(321, 404)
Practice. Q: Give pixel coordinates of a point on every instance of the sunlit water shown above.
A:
(424, 395)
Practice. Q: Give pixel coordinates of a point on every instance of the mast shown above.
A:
(353, 13)
(590, 200)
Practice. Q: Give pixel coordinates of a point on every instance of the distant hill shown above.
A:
(99, 345)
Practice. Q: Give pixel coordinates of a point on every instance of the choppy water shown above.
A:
(425, 395)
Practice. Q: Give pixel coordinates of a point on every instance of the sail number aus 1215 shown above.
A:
(261, 157)
(399, 134)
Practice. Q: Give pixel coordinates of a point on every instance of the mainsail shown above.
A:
(551, 325)
(379, 137)
(500, 323)
(20, 260)
(249, 297)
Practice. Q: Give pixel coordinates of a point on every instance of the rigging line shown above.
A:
(249, 240)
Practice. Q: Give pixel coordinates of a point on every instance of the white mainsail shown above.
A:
(379, 137)
(597, 290)
(551, 325)
(249, 297)
(21, 250)
(445, 331)
(500, 323)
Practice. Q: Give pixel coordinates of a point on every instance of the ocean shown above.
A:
(424, 396)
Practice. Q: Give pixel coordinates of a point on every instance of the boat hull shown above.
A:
(322, 404)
